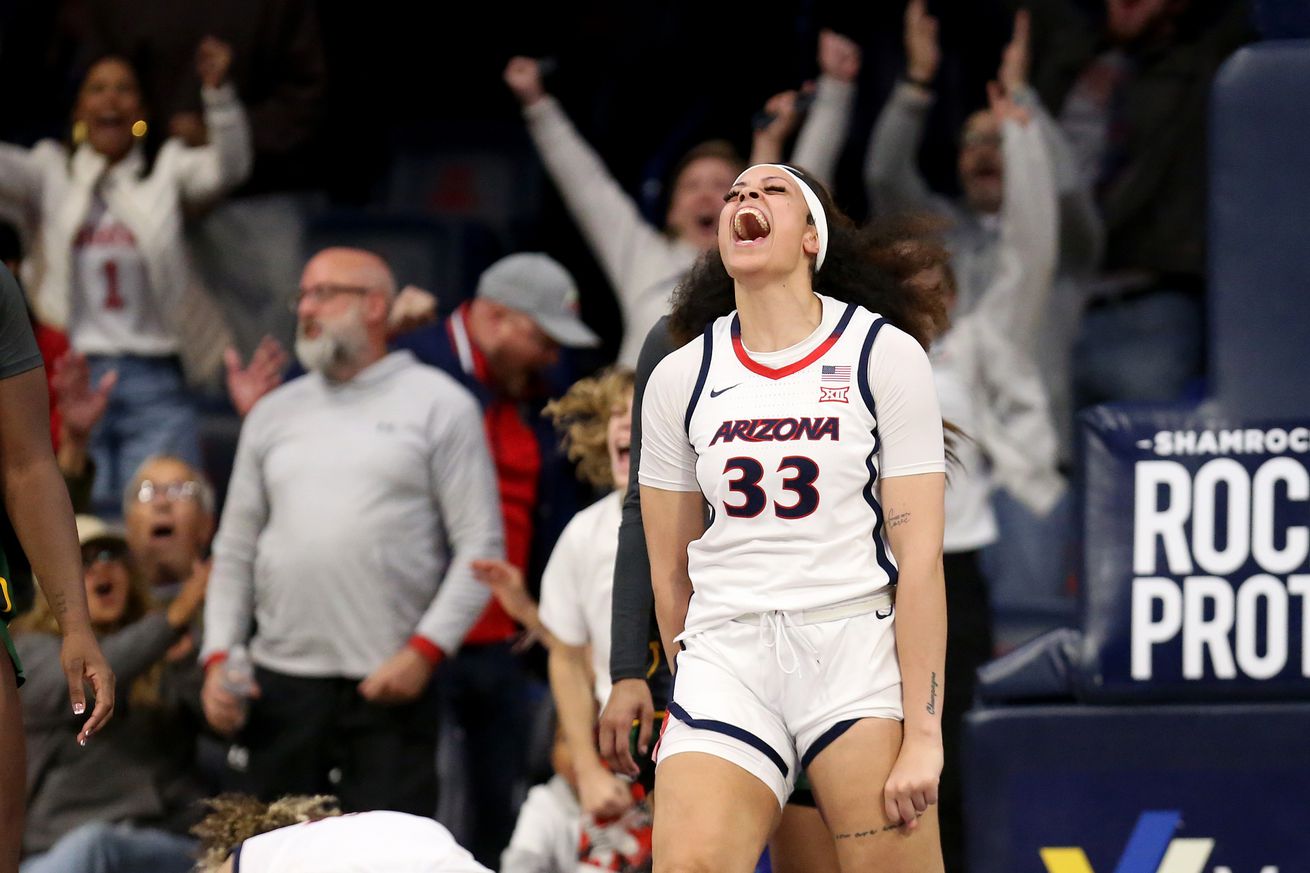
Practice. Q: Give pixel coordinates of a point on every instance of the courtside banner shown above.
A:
(1138, 788)
(1197, 555)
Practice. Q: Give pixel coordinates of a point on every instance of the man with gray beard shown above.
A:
(360, 494)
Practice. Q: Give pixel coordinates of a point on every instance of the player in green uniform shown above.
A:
(36, 501)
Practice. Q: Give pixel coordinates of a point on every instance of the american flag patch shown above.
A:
(841, 375)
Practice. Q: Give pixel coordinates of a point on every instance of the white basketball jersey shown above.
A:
(788, 460)
(366, 842)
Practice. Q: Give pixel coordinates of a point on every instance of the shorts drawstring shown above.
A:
(776, 625)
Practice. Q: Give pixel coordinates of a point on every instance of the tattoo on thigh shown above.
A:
(895, 520)
(872, 832)
(932, 696)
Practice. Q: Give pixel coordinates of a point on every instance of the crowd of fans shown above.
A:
(403, 491)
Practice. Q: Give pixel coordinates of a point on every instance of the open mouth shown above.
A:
(749, 226)
(623, 452)
(706, 221)
(103, 589)
(161, 531)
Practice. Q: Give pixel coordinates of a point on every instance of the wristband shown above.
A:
(216, 658)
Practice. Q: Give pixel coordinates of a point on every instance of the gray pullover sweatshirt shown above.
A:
(352, 517)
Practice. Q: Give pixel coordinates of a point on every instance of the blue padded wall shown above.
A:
(1260, 231)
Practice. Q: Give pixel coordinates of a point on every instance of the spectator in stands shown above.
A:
(113, 267)
(498, 346)
(642, 263)
(280, 72)
(310, 833)
(122, 803)
(360, 494)
(596, 418)
(832, 99)
(168, 509)
(1131, 91)
(997, 192)
(991, 390)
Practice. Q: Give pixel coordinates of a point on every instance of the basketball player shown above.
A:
(302, 834)
(808, 421)
(37, 501)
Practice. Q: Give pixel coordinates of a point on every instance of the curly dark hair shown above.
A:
(858, 268)
(234, 818)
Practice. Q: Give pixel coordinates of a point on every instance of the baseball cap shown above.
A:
(539, 287)
(94, 530)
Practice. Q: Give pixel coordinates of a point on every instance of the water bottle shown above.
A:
(238, 676)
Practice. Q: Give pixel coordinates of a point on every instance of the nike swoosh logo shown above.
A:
(714, 393)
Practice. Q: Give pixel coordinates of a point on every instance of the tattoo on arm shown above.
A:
(932, 696)
(894, 520)
(59, 604)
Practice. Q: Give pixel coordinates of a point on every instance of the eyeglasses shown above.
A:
(173, 492)
(109, 552)
(320, 294)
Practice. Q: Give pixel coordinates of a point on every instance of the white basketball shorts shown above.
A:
(770, 692)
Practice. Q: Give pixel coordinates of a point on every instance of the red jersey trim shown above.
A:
(779, 372)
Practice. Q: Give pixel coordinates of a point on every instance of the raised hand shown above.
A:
(839, 57)
(781, 118)
(246, 385)
(523, 76)
(213, 60)
(80, 406)
(1003, 106)
(1013, 73)
(922, 52)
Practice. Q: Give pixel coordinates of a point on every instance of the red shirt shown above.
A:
(517, 457)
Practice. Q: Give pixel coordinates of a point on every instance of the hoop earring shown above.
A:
(79, 132)
(139, 128)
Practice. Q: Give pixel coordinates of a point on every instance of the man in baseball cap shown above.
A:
(499, 345)
(535, 285)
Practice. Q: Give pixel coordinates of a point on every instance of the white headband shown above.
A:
(811, 201)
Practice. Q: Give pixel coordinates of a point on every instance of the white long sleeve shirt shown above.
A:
(59, 189)
(642, 264)
(1047, 212)
(353, 513)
